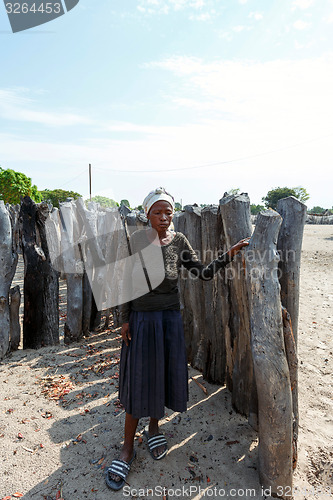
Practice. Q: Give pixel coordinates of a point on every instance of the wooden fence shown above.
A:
(236, 331)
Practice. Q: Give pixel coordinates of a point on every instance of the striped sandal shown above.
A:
(119, 468)
(155, 442)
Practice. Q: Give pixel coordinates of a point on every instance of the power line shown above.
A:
(74, 178)
(215, 163)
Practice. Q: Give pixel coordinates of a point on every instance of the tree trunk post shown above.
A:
(8, 259)
(293, 213)
(269, 356)
(191, 288)
(212, 349)
(236, 219)
(73, 268)
(15, 328)
(289, 246)
(41, 285)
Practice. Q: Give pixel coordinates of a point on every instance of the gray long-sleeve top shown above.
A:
(176, 254)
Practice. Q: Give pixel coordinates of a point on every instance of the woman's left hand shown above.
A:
(237, 247)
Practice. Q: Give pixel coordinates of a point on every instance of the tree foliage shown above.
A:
(56, 196)
(125, 202)
(316, 210)
(233, 191)
(104, 201)
(14, 184)
(272, 197)
(255, 209)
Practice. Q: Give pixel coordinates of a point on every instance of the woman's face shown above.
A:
(160, 216)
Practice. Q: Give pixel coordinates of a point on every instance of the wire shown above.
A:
(216, 163)
(73, 179)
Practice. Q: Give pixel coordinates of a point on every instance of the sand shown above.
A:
(52, 448)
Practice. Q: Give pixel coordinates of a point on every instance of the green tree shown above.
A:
(316, 210)
(255, 209)
(178, 206)
(56, 196)
(14, 184)
(233, 191)
(301, 194)
(125, 202)
(104, 201)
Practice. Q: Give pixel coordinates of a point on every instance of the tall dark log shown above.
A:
(73, 267)
(15, 327)
(269, 356)
(289, 246)
(191, 289)
(212, 349)
(8, 260)
(235, 214)
(87, 305)
(41, 285)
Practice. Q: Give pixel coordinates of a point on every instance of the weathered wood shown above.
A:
(289, 246)
(41, 285)
(50, 278)
(235, 214)
(8, 259)
(73, 267)
(191, 288)
(212, 348)
(15, 328)
(87, 305)
(269, 356)
(290, 347)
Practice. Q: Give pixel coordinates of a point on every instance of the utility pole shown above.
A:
(90, 180)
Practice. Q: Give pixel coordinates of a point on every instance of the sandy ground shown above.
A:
(58, 448)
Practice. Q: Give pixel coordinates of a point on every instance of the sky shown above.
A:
(198, 96)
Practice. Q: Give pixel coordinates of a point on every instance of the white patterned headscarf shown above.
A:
(159, 194)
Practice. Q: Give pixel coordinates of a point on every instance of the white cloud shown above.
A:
(239, 28)
(15, 106)
(229, 110)
(301, 25)
(242, 2)
(302, 4)
(200, 17)
(256, 15)
(329, 18)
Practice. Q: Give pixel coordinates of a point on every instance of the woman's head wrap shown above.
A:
(159, 194)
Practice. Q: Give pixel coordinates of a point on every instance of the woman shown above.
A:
(153, 366)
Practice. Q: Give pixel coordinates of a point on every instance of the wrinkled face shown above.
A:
(160, 215)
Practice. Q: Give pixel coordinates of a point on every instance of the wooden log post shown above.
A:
(73, 267)
(15, 327)
(269, 356)
(289, 246)
(235, 214)
(212, 349)
(94, 258)
(8, 260)
(191, 288)
(41, 285)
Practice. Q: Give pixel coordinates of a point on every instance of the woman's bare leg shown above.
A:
(128, 446)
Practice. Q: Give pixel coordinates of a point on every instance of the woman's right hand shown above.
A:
(125, 333)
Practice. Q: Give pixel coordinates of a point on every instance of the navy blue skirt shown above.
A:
(153, 367)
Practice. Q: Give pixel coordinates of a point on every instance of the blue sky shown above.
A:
(199, 96)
